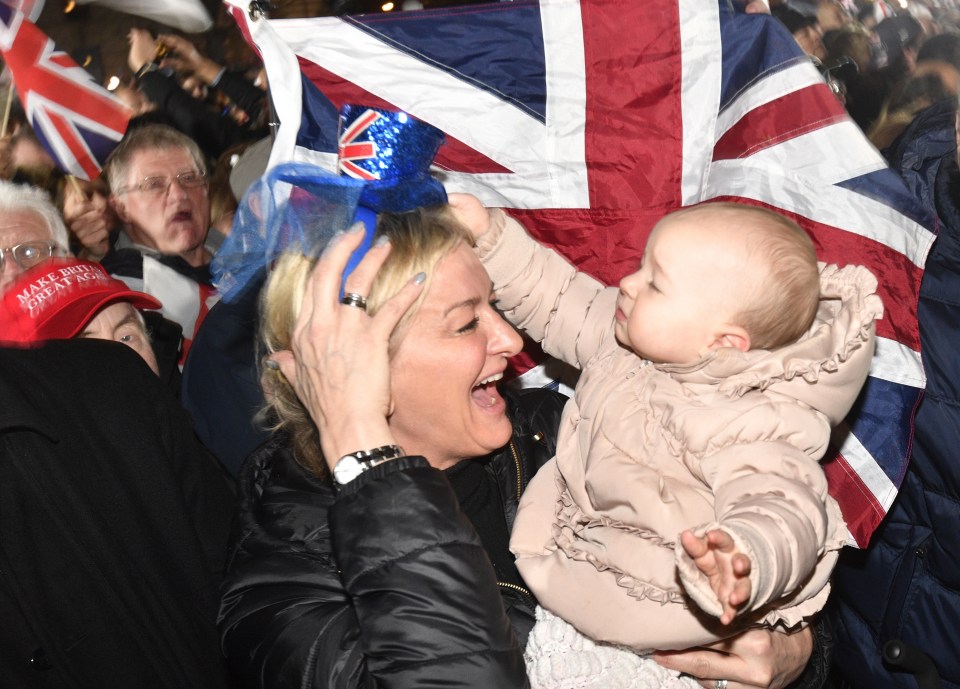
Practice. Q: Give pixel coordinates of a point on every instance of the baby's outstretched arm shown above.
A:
(728, 570)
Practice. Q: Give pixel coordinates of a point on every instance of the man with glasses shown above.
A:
(158, 183)
(31, 230)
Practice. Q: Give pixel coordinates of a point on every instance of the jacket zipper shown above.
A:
(514, 587)
(516, 461)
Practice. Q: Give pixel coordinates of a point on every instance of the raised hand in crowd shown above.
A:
(143, 48)
(89, 217)
(183, 56)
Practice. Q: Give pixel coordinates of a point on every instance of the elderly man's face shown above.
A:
(19, 227)
(174, 221)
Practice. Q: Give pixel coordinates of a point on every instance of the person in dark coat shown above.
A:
(906, 585)
(113, 526)
(221, 383)
(302, 552)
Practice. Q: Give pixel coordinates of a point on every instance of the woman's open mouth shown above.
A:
(485, 394)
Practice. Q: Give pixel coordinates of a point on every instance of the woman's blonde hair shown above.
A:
(419, 240)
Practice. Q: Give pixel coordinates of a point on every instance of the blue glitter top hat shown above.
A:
(384, 162)
(392, 152)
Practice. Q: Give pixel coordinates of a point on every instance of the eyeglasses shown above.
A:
(29, 254)
(160, 185)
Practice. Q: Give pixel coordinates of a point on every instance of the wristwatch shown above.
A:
(352, 465)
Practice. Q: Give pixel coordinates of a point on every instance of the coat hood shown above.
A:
(835, 353)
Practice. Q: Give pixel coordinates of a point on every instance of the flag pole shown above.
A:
(6, 110)
(76, 187)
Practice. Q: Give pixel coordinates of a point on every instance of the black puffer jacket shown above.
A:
(384, 584)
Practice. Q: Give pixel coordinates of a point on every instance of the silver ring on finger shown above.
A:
(721, 684)
(353, 299)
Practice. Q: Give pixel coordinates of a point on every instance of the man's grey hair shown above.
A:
(155, 137)
(21, 197)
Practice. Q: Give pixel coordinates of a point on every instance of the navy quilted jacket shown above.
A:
(906, 585)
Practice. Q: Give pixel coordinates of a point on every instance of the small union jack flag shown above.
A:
(351, 150)
(76, 120)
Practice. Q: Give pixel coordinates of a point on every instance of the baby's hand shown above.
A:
(472, 214)
(728, 570)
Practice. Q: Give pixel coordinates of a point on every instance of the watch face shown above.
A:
(347, 469)
(352, 465)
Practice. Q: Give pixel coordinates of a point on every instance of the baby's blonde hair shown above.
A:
(419, 240)
(786, 295)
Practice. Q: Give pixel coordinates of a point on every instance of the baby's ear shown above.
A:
(731, 336)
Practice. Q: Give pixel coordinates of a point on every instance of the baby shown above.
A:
(686, 493)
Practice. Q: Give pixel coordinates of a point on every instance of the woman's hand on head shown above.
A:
(339, 366)
(756, 659)
(470, 213)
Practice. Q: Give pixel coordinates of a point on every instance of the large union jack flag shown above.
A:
(76, 120)
(593, 118)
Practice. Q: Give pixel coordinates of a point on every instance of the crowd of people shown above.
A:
(321, 481)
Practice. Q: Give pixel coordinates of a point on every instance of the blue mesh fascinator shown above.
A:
(384, 160)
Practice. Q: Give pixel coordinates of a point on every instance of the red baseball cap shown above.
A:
(57, 298)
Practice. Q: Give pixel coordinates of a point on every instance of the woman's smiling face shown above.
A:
(444, 371)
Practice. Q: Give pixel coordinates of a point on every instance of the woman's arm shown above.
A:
(339, 365)
(394, 590)
(425, 597)
(760, 659)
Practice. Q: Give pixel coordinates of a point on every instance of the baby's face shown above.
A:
(675, 307)
(120, 322)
